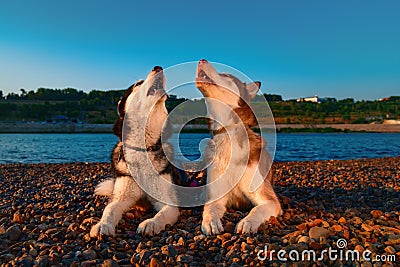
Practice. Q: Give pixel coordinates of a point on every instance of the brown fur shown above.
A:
(117, 129)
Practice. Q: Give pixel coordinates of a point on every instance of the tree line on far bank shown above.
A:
(97, 106)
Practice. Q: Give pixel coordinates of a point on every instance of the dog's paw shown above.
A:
(102, 229)
(246, 226)
(150, 227)
(211, 226)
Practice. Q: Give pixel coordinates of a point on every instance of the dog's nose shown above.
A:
(203, 61)
(157, 69)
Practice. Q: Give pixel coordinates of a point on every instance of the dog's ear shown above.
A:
(252, 88)
(119, 102)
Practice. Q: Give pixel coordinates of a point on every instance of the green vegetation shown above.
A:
(100, 107)
(48, 104)
(334, 112)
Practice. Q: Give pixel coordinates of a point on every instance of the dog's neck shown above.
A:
(232, 129)
(144, 134)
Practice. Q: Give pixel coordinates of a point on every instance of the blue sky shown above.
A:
(295, 48)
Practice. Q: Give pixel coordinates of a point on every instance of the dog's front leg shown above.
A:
(166, 215)
(212, 215)
(266, 205)
(125, 194)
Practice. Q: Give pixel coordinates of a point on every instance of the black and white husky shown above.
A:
(143, 99)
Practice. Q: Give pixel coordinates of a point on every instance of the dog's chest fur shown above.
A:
(232, 160)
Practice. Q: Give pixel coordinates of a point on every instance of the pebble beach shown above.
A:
(47, 210)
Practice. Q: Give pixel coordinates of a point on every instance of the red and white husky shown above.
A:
(231, 131)
(144, 98)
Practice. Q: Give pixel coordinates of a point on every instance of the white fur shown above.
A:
(263, 197)
(105, 188)
(125, 194)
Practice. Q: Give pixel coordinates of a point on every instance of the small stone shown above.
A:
(169, 240)
(382, 222)
(314, 245)
(346, 234)
(87, 237)
(325, 224)
(342, 220)
(337, 228)
(245, 246)
(184, 258)
(367, 227)
(214, 249)
(8, 257)
(26, 260)
(140, 246)
(88, 263)
(42, 261)
(302, 226)
(144, 255)
(359, 248)
(89, 254)
(293, 239)
(183, 232)
(366, 264)
(303, 239)
(227, 243)
(192, 246)
(67, 261)
(236, 260)
(129, 216)
(249, 240)
(393, 240)
(274, 221)
(169, 250)
(59, 214)
(73, 227)
(357, 220)
(231, 254)
(155, 263)
(13, 232)
(51, 231)
(229, 227)
(18, 217)
(285, 200)
(181, 242)
(225, 236)
(317, 232)
(110, 263)
(33, 252)
(198, 238)
(376, 214)
(119, 256)
(390, 250)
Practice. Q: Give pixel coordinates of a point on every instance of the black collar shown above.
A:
(152, 148)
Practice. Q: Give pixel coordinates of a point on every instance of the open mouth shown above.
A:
(202, 77)
(157, 86)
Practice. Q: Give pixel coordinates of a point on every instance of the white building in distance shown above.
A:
(314, 99)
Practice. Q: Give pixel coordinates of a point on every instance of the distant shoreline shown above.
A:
(14, 127)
